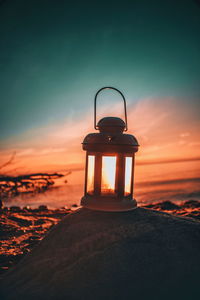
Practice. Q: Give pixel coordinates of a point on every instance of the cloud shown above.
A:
(165, 128)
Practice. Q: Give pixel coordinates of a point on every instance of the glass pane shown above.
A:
(128, 175)
(90, 174)
(108, 174)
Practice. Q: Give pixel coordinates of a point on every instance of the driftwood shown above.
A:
(11, 186)
(29, 183)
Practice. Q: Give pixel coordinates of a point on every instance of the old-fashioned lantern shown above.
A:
(109, 167)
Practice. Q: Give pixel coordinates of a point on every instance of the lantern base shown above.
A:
(108, 203)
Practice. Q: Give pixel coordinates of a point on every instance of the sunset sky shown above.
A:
(55, 55)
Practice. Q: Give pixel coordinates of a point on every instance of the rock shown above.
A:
(20, 221)
(140, 254)
(15, 209)
(191, 204)
(26, 208)
(167, 205)
(39, 222)
(33, 240)
(42, 208)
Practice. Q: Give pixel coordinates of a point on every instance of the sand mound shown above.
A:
(141, 254)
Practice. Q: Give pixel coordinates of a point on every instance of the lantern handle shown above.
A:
(95, 105)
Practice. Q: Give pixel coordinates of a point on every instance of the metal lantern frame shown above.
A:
(100, 147)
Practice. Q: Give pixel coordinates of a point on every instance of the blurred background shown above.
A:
(55, 55)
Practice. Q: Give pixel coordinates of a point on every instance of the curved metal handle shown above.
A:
(95, 105)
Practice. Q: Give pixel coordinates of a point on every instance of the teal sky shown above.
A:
(54, 56)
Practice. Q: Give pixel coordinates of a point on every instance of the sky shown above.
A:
(55, 55)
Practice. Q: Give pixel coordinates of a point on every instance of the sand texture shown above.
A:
(141, 254)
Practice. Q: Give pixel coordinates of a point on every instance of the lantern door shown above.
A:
(109, 175)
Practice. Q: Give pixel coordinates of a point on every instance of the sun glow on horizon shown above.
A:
(108, 174)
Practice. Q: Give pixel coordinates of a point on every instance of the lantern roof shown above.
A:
(111, 137)
(111, 124)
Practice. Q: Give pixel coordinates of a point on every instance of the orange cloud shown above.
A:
(166, 130)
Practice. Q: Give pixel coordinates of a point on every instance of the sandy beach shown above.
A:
(23, 228)
(144, 253)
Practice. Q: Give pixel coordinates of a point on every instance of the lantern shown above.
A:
(109, 167)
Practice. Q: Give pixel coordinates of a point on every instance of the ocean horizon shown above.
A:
(173, 181)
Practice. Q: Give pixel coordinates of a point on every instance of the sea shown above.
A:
(176, 182)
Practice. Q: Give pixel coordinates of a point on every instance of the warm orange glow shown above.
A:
(172, 134)
(108, 174)
(90, 175)
(167, 130)
(128, 173)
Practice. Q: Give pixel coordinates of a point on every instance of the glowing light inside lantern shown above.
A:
(128, 173)
(90, 174)
(108, 174)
